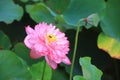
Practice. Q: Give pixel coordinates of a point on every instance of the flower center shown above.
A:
(51, 38)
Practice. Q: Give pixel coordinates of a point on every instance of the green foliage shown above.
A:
(59, 74)
(12, 67)
(9, 11)
(90, 72)
(110, 45)
(111, 22)
(58, 6)
(24, 1)
(22, 51)
(39, 13)
(78, 78)
(4, 41)
(64, 14)
(41, 71)
(79, 9)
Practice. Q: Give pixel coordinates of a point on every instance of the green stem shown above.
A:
(43, 73)
(74, 53)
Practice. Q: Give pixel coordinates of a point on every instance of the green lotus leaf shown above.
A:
(9, 11)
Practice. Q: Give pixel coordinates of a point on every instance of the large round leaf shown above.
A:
(110, 45)
(41, 71)
(111, 21)
(10, 11)
(90, 72)
(78, 78)
(59, 73)
(58, 6)
(22, 51)
(39, 13)
(79, 9)
(4, 41)
(12, 67)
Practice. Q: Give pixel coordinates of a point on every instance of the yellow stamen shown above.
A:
(51, 38)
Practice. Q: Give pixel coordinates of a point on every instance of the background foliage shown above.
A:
(99, 20)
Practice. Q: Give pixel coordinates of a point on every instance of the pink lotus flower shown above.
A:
(46, 40)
